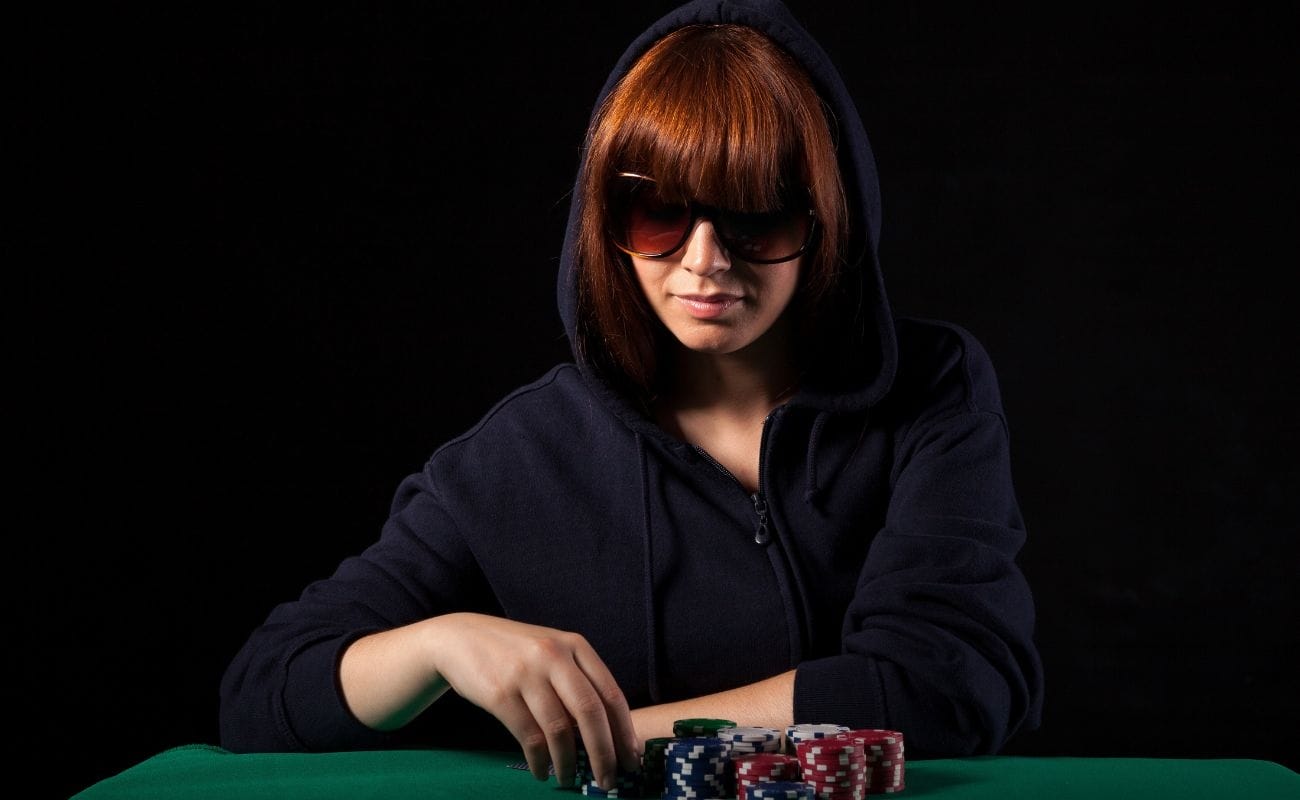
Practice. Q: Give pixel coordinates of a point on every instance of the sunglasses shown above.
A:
(643, 224)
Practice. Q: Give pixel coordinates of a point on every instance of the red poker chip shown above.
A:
(831, 761)
(819, 749)
(762, 759)
(866, 737)
(838, 766)
(841, 756)
(835, 775)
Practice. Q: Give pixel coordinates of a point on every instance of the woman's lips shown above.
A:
(709, 306)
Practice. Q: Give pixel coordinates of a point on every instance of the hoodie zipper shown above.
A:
(762, 527)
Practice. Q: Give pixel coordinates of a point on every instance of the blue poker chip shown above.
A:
(781, 790)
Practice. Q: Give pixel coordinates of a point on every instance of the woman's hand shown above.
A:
(541, 683)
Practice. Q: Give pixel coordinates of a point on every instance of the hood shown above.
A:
(863, 332)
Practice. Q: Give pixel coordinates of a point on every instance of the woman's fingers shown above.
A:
(547, 687)
(585, 706)
(576, 691)
(618, 716)
(551, 722)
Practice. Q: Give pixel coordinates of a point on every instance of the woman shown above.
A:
(754, 495)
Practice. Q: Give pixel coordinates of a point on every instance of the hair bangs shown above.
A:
(701, 120)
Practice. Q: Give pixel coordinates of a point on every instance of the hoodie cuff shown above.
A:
(839, 690)
(314, 708)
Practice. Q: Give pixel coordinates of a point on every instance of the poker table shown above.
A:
(204, 772)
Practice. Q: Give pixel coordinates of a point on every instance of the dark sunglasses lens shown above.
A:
(774, 236)
(642, 222)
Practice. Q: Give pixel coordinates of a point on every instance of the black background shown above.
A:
(267, 259)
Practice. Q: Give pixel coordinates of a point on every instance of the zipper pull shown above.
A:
(761, 534)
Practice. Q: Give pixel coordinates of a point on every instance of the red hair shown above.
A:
(722, 115)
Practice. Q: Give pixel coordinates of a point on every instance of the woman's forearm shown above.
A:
(389, 678)
(769, 703)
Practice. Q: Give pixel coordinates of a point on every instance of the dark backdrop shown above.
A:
(267, 260)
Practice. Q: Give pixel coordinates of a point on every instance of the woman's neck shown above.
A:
(750, 382)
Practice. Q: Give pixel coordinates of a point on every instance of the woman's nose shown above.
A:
(705, 254)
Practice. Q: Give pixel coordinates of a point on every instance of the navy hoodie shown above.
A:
(885, 571)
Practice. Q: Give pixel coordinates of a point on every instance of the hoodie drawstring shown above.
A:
(811, 487)
(652, 661)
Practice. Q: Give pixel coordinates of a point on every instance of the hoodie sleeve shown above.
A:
(938, 639)
(281, 692)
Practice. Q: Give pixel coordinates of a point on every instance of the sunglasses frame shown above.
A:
(696, 211)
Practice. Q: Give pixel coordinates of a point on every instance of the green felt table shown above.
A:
(203, 772)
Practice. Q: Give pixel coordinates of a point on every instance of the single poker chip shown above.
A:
(833, 762)
(795, 734)
(865, 736)
(831, 770)
(751, 740)
(782, 790)
(827, 747)
(843, 762)
(815, 731)
(592, 789)
(697, 747)
(751, 765)
(747, 734)
(856, 781)
(700, 726)
(710, 742)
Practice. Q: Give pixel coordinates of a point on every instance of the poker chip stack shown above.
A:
(836, 769)
(653, 765)
(696, 767)
(795, 734)
(745, 741)
(883, 750)
(763, 768)
(783, 790)
(715, 758)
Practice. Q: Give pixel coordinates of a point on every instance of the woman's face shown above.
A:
(712, 301)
